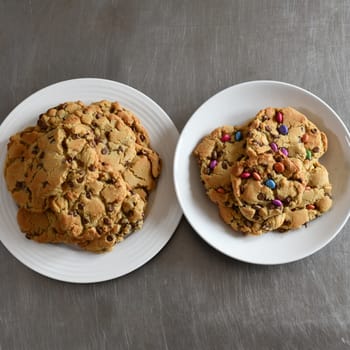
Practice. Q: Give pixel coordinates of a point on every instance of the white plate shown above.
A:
(234, 106)
(72, 265)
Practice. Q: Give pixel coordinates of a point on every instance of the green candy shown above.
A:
(308, 154)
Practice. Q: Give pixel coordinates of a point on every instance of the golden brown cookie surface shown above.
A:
(82, 175)
(268, 178)
(288, 130)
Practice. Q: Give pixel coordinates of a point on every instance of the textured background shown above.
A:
(180, 53)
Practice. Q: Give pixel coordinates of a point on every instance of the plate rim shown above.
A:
(176, 207)
(177, 185)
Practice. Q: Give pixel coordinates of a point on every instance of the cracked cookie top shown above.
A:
(82, 175)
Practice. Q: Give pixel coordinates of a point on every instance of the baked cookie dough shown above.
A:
(82, 175)
(287, 130)
(264, 185)
(216, 154)
(316, 199)
(265, 175)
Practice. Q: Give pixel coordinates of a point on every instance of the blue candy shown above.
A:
(270, 184)
(238, 136)
(283, 129)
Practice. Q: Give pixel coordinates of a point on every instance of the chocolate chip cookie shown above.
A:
(83, 173)
(264, 185)
(216, 154)
(287, 130)
(316, 199)
(268, 176)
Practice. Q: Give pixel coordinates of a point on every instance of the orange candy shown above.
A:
(256, 176)
(279, 167)
(310, 207)
(305, 138)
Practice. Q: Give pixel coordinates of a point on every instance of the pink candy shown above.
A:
(225, 138)
(245, 175)
(284, 151)
(213, 164)
(279, 117)
(274, 147)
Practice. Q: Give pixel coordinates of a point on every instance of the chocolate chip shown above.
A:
(287, 201)
(106, 221)
(142, 137)
(35, 150)
(214, 155)
(261, 196)
(42, 124)
(98, 116)
(97, 140)
(20, 185)
(88, 194)
(81, 206)
(69, 159)
(80, 180)
(224, 165)
(92, 167)
(110, 238)
(42, 155)
(316, 149)
(267, 128)
(313, 131)
(104, 150)
(109, 208)
(248, 223)
(45, 183)
(279, 159)
(99, 230)
(256, 216)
